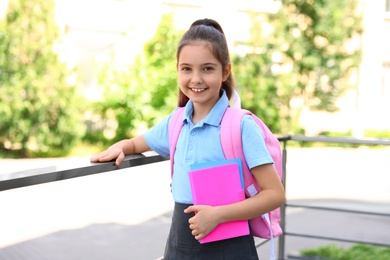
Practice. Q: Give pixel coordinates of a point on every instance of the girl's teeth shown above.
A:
(198, 89)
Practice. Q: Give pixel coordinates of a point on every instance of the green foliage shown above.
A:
(38, 111)
(258, 87)
(257, 90)
(371, 133)
(160, 69)
(113, 118)
(138, 96)
(356, 252)
(306, 58)
(317, 36)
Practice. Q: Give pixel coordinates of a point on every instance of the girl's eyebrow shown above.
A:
(209, 64)
(204, 64)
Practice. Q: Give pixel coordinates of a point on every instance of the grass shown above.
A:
(356, 252)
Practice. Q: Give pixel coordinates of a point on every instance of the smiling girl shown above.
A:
(205, 88)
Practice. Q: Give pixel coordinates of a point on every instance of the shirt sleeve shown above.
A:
(157, 138)
(253, 144)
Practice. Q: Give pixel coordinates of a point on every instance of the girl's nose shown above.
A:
(196, 82)
(196, 78)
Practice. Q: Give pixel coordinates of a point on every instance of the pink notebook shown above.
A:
(219, 184)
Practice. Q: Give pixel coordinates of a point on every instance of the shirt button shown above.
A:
(193, 132)
(190, 147)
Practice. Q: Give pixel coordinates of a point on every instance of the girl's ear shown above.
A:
(226, 71)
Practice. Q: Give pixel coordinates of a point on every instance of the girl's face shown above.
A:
(201, 74)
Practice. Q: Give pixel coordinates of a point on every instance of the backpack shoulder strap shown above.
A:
(230, 128)
(273, 146)
(175, 125)
(231, 142)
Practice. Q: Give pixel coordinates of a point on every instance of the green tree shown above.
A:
(255, 81)
(317, 39)
(318, 34)
(307, 57)
(161, 73)
(37, 106)
(138, 96)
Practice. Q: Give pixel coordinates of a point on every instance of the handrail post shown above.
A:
(281, 240)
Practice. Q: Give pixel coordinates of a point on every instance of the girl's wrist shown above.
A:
(221, 214)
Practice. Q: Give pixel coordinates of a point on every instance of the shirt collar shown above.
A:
(215, 115)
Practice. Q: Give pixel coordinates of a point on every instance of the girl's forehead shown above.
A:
(198, 44)
(198, 48)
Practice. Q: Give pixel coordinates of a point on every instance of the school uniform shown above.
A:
(201, 143)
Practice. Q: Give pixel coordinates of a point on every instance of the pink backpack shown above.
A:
(265, 226)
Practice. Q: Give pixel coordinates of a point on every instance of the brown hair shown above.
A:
(210, 31)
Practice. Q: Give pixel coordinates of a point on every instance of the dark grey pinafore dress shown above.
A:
(181, 244)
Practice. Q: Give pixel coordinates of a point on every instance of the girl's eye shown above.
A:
(185, 69)
(208, 68)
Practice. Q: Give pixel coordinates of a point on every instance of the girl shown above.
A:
(206, 86)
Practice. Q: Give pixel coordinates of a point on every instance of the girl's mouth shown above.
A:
(198, 89)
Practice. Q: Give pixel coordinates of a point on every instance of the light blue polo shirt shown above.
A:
(201, 143)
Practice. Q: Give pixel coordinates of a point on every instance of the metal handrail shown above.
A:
(49, 174)
(295, 205)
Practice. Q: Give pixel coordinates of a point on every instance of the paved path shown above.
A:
(125, 214)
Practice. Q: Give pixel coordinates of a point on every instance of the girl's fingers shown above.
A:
(119, 159)
(107, 156)
(98, 157)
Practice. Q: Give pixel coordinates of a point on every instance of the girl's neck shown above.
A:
(202, 109)
(199, 113)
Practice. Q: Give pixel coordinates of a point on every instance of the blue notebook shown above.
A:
(198, 166)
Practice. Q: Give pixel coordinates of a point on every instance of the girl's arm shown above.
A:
(122, 148)
(272, 196)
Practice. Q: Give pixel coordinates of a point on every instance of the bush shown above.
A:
(356, 252)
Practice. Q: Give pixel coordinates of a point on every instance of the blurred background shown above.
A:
(76, 76)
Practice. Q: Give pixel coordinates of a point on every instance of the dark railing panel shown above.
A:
(323, 139)
(51, 173)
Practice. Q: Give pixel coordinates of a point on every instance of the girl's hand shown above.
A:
(120, 149)
(205, 220)
(108, 155)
